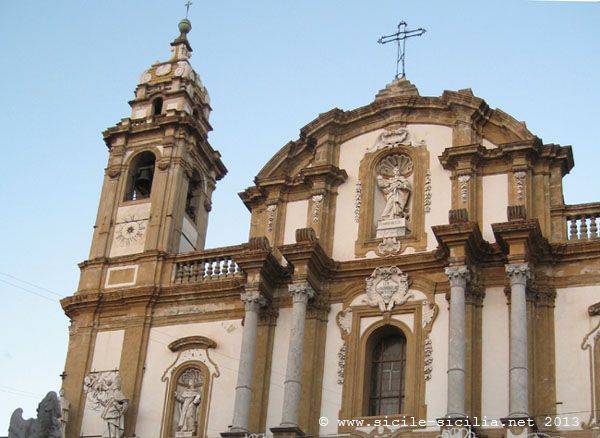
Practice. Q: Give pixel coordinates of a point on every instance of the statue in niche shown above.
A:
(392, 181)
(188, 396)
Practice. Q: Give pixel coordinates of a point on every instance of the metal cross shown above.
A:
(400, 37)
(187, 8)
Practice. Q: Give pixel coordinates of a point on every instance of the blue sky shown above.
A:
(70, 67)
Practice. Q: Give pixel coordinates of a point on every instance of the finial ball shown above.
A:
(185, 26)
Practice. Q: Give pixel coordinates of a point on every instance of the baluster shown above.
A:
(583, 228)
(572, 227)
(222, 266)
(217, 268)
(205, 268)
(178, 273)
(593, 227)
(213, 266)
(229, 263)
(186, 272)
(195, 271)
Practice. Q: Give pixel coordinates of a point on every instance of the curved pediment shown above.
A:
(399, 104)
(371, 181)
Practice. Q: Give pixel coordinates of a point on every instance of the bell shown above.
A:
(143, 181)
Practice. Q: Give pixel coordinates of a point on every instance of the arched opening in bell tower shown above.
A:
(194, 193)
(157, 106)
(140, 177)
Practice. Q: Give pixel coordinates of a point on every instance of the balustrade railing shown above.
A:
(582, 222)
(212, 265)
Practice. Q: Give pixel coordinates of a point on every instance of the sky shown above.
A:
(271, 67)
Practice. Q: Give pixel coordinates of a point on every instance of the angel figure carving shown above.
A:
(392, 181)
(46, 425)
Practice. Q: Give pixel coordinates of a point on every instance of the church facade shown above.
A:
(411, 268)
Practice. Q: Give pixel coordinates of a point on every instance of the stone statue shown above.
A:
(397, 191)
(188, 400)
(392, 179)
(104, 395)
(46, 425)
(65, 406)
(115, 406)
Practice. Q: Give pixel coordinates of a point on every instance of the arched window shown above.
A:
(386, 372)
(139, 179)
(194, 193)
(157, 106)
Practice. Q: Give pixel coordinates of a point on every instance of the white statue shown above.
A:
(65, 407)
(115, 406)
(397, 190)
(188, 400)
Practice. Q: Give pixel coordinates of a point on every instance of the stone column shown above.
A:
(301, 293)
(458, 277)
(518, 275)
(253, 301)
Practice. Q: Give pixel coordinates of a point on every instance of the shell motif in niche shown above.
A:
(400, 163)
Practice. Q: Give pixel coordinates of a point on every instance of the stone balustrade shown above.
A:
(211, 265)
(582, 221)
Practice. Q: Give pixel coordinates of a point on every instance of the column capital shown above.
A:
(458, 275)
(518, 273)
(301, 292)
(253, 301)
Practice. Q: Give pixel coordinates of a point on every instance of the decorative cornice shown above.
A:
(527, 236)
(477, 155)
(307, 258)
(463, 242)
(192, 342)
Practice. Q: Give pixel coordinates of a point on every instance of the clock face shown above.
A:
(130, 231)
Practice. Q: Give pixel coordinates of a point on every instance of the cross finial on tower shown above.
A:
(401, 36)
(187, 8)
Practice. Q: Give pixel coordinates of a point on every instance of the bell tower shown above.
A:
(161, 169)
